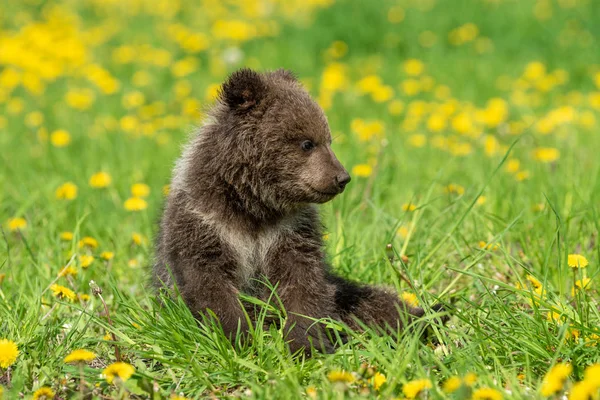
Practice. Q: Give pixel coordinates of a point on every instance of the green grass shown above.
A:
(498, 327)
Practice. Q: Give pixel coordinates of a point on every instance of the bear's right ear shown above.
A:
(243, 90)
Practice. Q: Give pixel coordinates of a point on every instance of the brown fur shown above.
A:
(241, 207)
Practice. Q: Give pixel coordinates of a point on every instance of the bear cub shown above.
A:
(241, 209)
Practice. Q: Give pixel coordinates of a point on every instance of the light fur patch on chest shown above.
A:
(251, 251)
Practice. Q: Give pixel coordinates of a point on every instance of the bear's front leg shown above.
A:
(304, 292)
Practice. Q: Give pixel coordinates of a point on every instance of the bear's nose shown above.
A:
(342, 180)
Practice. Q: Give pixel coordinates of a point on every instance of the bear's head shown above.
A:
(273, 142)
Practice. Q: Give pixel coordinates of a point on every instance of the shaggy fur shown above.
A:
(241, 208)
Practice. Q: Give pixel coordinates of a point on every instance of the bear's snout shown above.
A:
(341, 180)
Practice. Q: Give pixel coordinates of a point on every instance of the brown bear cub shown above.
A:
(241, 210)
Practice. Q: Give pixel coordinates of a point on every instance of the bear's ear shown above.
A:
(243, 90)
(286, 75)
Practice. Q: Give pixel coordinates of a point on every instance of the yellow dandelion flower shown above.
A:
(488, 246)
(583, 390)
(100, 180)
(68, 271)
(486, 393)
(107, 336)
(546, 154)
(83, 296)
(8, 353)
(88, 241)
(555, 317)
(63, 293)
(133, 263)
(66, 191)
(513, 165)
(340, 376)
(43, 393)
(534, 282)
(592, 373)
(413, 67)
(311, 392)
(362, 170)
(138, 238)
(470, 379)
(135, 204)
(66, 236)
(522, 175)
(538, 207)
(107, 255)
(577, 261)
(555, 379)
(177, 397)
(378, 380)
(395, 107)
(140, 190)
(412, 389)
(60, 138)
(85, 260)
(580, 284)
(451, 384)
(120, 370)
(481, 200)
(454, 188)
(417, 140)
(410, 299)
(408, 207)
(80, 355)
(17, 224)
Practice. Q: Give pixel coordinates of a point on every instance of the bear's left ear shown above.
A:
(243, 90)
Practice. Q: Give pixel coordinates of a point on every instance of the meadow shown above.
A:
(471, 130)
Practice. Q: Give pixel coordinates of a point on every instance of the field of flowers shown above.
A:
(470, 127)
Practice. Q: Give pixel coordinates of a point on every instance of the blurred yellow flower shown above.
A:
(68, 271)
(454, 188)
(8, 353)
(580, 284)
(546, 154)
(62, 292)
(140, 190)
(577, 261)
(555, 379)
(43, 393)
(135, 204)
(34, 119)
(80, 99)
(340, 376)
(412, 389)
(107, 255)
(481, 200)
(413, 67)
(85, 260)
(80, 355)
(395, 107)
(66, 191)
(513, 165)
(486, 393)
(17, 224)
(138, 238)
(100, 180)
(451, 384)
(66, 236)
(534, 71)
(417, 140)
(119, 370)
(584, 390)
(378, 380)
(362, 170)
(396, 14)
(60, 138)
(410, 299)
(408, 207)
(88, 241)
(522, 175)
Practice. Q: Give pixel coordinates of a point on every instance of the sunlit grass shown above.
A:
(470, 128)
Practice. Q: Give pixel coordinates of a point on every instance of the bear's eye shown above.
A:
(308, 145)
